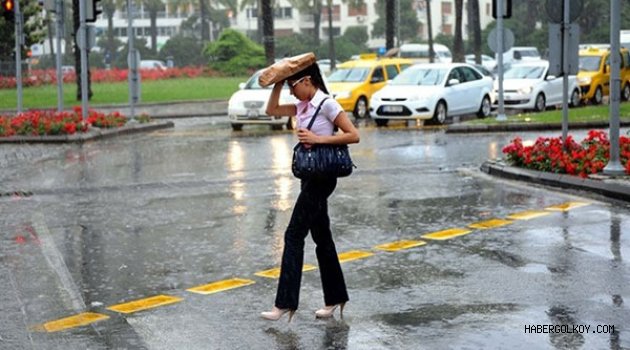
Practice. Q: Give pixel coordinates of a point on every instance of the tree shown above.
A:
(34, 30)
(390, 18)
(153, 7)
(475, 28)
(408, 21)
(268, 37)
(315, 9)
(234, 53)
(458, 43)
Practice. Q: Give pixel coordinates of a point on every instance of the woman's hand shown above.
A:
(307, 137)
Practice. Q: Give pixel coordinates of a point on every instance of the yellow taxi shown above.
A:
(354, 82)
(594, 74)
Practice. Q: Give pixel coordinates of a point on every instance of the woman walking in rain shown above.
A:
(311, 208)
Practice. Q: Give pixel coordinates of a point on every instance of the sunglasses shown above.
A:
(293, 84)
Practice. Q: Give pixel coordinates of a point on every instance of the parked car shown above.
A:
(354, 82)
(529, 86)
(518, 54)
(248, 105)
(324, 66)
(433, 91)
(487, 62)
(419, 53)
(594, 74)
(152, 64)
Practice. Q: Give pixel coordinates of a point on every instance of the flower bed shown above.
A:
(39, 77)
(549, 154)
(57, 123)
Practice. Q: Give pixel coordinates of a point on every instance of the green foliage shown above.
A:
(357, 34)
(185, 51)
(235, 54)
(296, 44)
(33, 29)
(408, 20)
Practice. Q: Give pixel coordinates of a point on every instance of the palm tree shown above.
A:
(153, 7)
(458, 43)
(390, 17)
(475, 28)
(267, 23)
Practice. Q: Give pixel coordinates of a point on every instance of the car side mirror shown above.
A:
(452, 82)
(376, 80)
(241, 86)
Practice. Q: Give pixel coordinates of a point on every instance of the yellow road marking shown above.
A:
(275, 273)
(447, 234)
(490, 223)
(77, 320)
(144, 304)
(220, 286)
(353, 255)
(567, 206)
(400, 245)
(528, 214)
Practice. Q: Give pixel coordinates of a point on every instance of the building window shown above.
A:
(336, 11)
(357, 10)
(283, 13)
(252, 12)
(447, 29)
(447, 8)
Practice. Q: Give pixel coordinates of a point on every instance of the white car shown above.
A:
(529, 86)
(433, 91)
(152, 64)
(487, 62)
(248, 105)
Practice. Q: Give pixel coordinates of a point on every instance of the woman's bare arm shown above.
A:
(349, 133)
(274, 108)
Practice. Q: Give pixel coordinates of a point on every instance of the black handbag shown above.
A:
(322, 160)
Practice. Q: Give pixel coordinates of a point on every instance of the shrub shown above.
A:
(235, 54)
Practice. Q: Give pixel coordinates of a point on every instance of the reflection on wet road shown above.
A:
(157, 241)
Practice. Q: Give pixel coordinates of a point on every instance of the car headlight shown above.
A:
(344, 94)
(584, 80)
(525, 90)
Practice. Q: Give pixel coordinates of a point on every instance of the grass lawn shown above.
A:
(167, 90)
(581, 114)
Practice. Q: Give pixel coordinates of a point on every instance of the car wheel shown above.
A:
(292, 123)
(539, 104)
(237, 127)
(625, 92)
(361, 108)
(381, 122)
(598, 98)
(486, 108)
(439, 116)
(575, 99)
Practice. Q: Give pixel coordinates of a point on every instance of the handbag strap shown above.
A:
(316, 112)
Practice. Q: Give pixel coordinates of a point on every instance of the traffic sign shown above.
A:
(493, 40)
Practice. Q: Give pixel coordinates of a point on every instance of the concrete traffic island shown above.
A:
(613, 187)
(93, 133)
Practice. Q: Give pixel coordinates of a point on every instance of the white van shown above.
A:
(420, 53)
(520, 53)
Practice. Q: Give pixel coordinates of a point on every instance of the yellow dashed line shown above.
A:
(492, 223)
(220, 286)
(528, 214)
(144, 304)
(567, 206)
(275, 273)
(353, 255)
(447, 234)
(78, 320)
(400, 245)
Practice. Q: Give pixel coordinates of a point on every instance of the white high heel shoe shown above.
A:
(328, 311)
(276, 313)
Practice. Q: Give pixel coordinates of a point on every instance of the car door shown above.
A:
(391, 70)
(473, 89)
(552, 88)
(455, 94)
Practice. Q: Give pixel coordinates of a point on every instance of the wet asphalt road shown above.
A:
(137, 216)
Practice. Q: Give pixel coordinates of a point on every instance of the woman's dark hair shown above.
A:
(316, 77)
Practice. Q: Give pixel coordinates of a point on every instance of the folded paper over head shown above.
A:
(285, 68)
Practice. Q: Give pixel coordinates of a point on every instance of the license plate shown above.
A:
(392, 109)
(252, 113)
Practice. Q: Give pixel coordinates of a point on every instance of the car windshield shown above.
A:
(589, 63)
(524, 72)
(349, 75)
(529, 53)
(252, 83)
(420, 76)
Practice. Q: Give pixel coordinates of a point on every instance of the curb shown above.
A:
(613, 187)
(177, 109)
(92, 134)
(459, 128)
